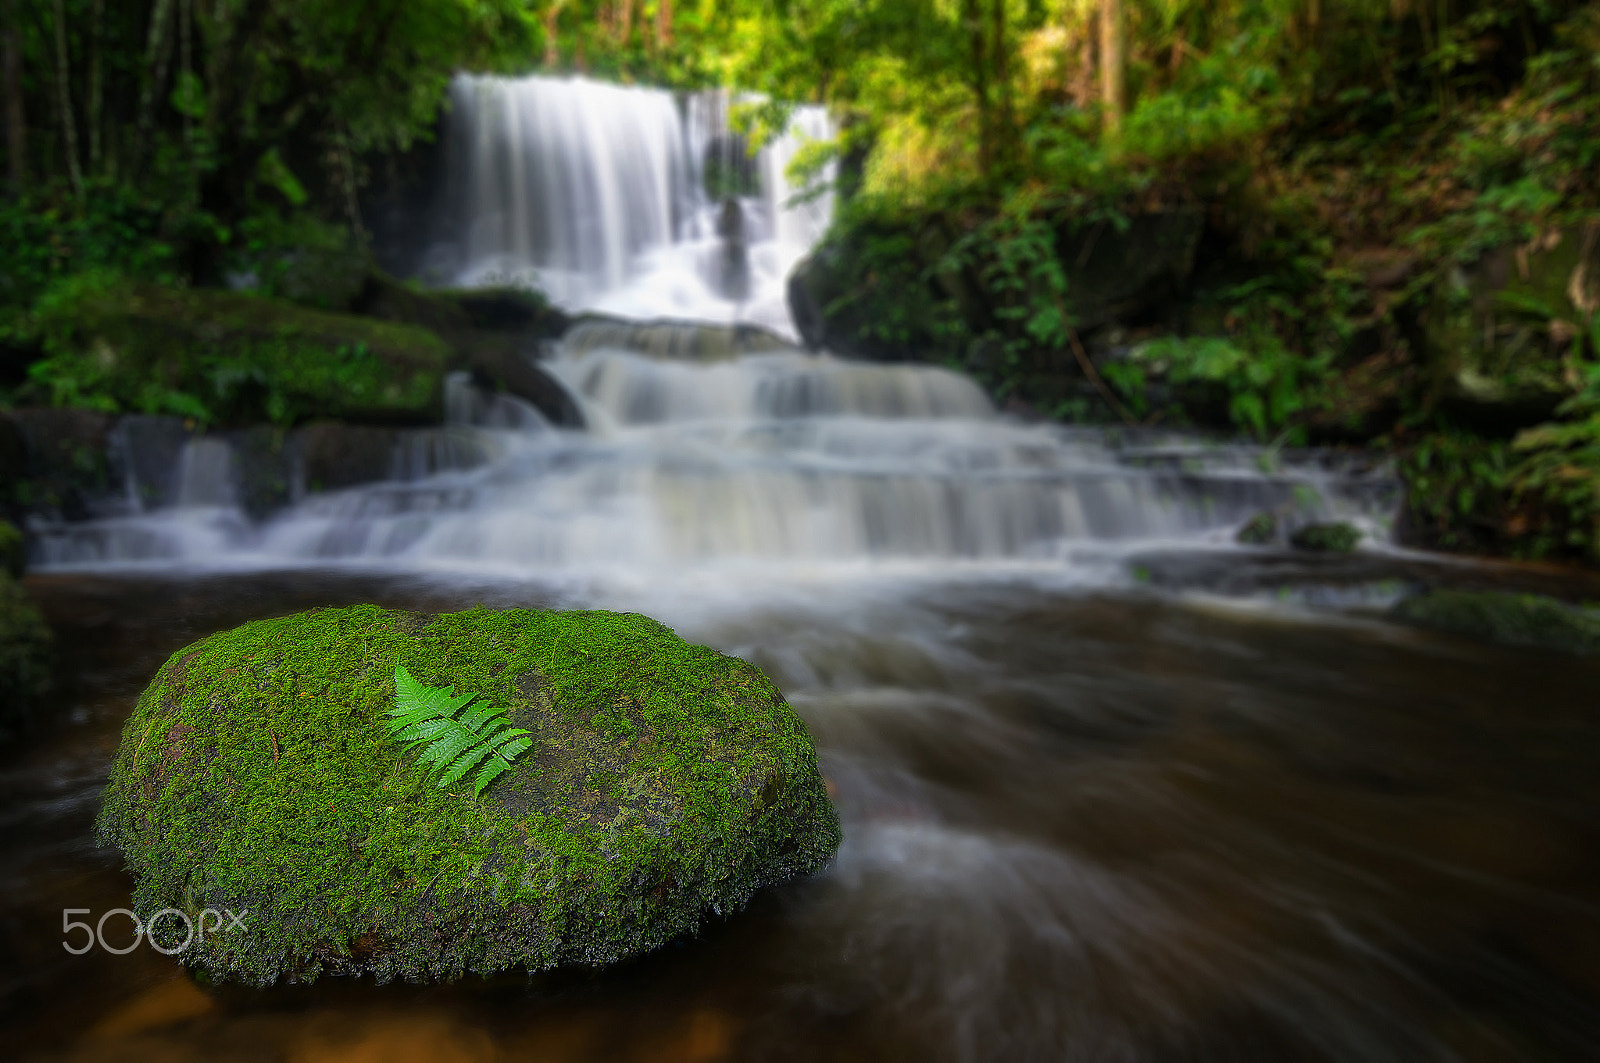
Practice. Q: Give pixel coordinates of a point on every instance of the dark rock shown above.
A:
(66, 470)
(506, 367)
(1497, 616)
(666, 784)
(1116, 274)
(335, 456)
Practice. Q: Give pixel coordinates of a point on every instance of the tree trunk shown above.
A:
(1003, 122)
(1113, 66)
(664, 23)
(69, 130)
(158, 47)
(16, 115)
(973, 20)
(93, 105)
(552, 33)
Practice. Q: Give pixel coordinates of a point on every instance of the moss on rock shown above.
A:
(1498, 616)
(25, 644)
(667, 781)
(226, 357)
(1336, 537)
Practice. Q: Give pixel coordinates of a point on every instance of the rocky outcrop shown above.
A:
(665, 785)
(900, 294)
(1499, 332)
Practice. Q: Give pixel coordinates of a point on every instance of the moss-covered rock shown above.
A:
(1259, 530)
(226, 357)
(1498, 616)
(25, 645)
(667, 783)
(1333, 537)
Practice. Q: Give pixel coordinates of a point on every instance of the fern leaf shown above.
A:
(454, 735)
(488, 774)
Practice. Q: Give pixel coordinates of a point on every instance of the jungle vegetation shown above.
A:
(1356, 163)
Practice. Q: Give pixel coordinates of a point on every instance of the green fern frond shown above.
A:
(455, 735)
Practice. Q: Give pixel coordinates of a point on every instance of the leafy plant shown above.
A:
(454, 738)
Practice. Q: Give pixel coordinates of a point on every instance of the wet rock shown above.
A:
(1498, 616)
(25, 647)
(505, 367)
(1336, 537)
(673, 340)
(666, 784)
(65, 463)
(494, 333)
(734, 260)
(1259, 530)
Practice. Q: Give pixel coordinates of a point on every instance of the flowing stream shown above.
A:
(1113, 787)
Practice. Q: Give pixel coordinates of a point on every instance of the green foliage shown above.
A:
(452, 738)
(223, 357)
(1266, 385)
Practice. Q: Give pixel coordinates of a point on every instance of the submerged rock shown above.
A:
(666, 783)
(1259, 530)
(1498, 616)
(25, 644)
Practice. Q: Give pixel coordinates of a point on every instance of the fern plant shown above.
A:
(455, 735)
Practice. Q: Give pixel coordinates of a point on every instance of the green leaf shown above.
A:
(455, 735)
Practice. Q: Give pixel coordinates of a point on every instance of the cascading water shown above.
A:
(598, 194)
(779, 458)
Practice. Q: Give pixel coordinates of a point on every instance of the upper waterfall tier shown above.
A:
(622, 199)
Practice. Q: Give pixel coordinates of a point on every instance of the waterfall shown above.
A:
(711, 439)
(709, 458)
(598, 194)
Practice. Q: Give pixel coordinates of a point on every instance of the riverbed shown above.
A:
(1081, 821)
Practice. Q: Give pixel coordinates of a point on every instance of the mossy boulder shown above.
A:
(230, 358)
(666, 784)
(1259, 530)
(25, 647)
(1335, 537)
(1499, 616)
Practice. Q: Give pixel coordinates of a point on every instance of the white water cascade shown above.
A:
(597, 194)
(772, 462)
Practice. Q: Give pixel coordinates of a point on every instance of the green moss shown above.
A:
(1519, 619)
(24, 659)
(225, 357)
(1259, 530)
(1337, 537)
(667, 781)
(13, 554)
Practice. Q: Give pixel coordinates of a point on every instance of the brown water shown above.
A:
(1097, 826)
